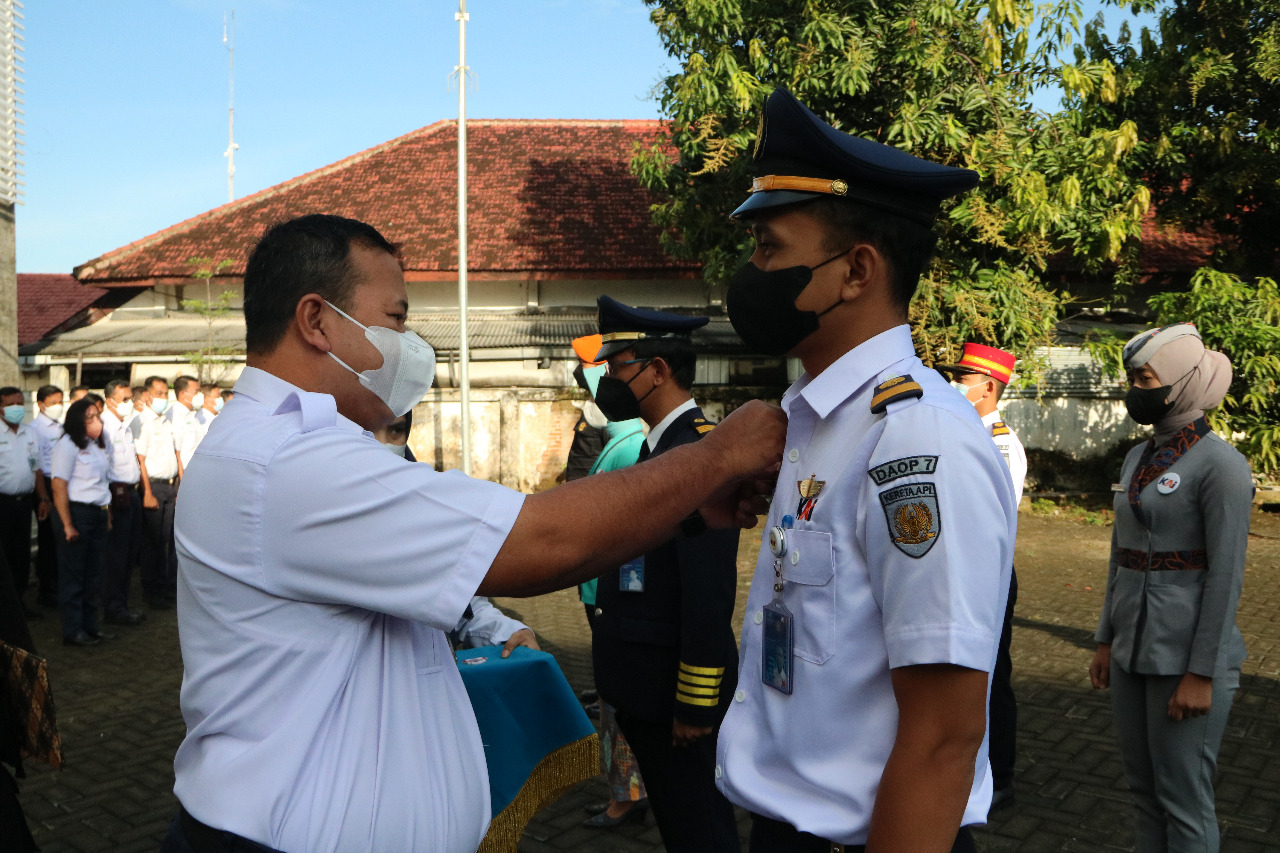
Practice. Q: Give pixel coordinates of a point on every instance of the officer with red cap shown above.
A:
(981, 376)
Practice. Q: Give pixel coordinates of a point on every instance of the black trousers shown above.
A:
(15, 538)
(123, 547)
(774, 836)
(159, 563)
(188, 835)
(692, 815)
(47, 561)
(1004, 705)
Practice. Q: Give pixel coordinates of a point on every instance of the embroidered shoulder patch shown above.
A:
(911, 512)
(999, 428)
(890, 471)
(892, 390)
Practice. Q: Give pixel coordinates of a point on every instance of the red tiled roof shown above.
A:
(47, 301)
(545, 196)
(1171, 250)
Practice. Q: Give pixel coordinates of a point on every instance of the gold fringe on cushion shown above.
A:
(556, 773)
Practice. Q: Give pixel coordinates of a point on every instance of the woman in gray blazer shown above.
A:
(1168, 645)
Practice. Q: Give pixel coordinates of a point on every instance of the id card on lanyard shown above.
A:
(631, 575)
(777, 664)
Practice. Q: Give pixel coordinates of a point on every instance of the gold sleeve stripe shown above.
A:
(697, 691)
(701, 670)
(688, 700)
(699, 679)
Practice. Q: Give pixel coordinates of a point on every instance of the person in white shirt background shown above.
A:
(158, 459)
(82, 500)
(48, 426)
(982, 375)
(22, 488)
(181, 414)
(125, 539)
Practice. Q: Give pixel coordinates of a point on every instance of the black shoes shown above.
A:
(99, 634)
(126, 617)
(81, 638)
(600, 816)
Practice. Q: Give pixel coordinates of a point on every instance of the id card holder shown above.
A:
(776, 668)
(631, 576)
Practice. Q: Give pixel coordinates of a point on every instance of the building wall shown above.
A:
(8, 299)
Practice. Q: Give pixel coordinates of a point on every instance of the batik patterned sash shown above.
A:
(1154, 463)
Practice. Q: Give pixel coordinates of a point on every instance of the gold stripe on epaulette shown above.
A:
(701, 679)
(895, 389)
(999, 428)
(701, 670)
(705, 428)
(692, 700)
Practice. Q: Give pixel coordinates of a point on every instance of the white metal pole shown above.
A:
(463, 349)
(230, 41)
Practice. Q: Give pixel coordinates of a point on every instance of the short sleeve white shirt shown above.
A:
(124, 457)
(49, 431)
(902, 558)
(316, 576)
(19, 459)
(156, 444)
(186, 430)
(1015, 457)
(84, 469)
(487, 626)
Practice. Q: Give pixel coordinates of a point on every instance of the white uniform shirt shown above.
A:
(124, 457)
(157, 445)
(140, 419)
(862, 603)
(316, 575)
(1011, 449)
(19, 459)
(85, 471)
(186, 430)
(488, 626)
(49, 431)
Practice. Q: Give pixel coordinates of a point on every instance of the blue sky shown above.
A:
(126, 102)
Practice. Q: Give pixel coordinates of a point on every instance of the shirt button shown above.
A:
(740, 695)
(599, 612)
(795, 557)
(719, 771)
(793, 455)
(758, 617)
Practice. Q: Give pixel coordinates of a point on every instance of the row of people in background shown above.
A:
(100, 476)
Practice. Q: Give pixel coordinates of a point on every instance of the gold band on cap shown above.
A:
(793, 182)
(622, 336)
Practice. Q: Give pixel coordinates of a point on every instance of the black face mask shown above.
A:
(580, 376)
(615, 399)
(1148, 405)
(762, 307)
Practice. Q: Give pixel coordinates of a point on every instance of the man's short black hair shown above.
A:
(152, 380)
(310, 254)
(182, 382)
(9, 391)
(44, 392)
(907, 245)
(678, 353)
(112, 385)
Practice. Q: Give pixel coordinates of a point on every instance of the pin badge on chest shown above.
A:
(1168, 483)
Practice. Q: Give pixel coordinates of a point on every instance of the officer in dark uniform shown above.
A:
(664, 647)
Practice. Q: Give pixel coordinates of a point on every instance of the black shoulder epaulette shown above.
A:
(999, 428)
(892, 390)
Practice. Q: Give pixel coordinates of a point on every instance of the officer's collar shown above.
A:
(852, 372)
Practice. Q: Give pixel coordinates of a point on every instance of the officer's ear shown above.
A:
(864, 267)
(661, 370)
(310, 316)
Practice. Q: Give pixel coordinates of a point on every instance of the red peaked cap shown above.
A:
(988, 361)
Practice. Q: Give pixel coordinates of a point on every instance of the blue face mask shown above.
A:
(15, 413)
(218, 404)
(159, 404)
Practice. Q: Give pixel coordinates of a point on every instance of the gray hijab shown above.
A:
(1199, 377)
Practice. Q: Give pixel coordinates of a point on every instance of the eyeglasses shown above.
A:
(611, 367)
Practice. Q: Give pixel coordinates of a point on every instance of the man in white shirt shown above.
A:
(982, 375)
(48, 427)
(318, 572)
(125, 539)
(22, 486)
(161, 472)
(187, 400)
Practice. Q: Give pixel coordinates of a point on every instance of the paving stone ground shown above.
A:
(118, 711)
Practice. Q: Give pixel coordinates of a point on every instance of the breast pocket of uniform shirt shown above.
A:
(430, 649)
(809, 569)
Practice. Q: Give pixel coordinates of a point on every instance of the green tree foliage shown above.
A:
(1203, 91)
(210, 356)
(948, 80)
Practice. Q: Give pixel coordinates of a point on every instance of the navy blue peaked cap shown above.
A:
(621, 326)
(800, 157)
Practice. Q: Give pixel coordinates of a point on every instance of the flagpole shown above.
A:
(463, 347)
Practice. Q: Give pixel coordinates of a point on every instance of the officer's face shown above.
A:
(791, 236)
(1143, 377)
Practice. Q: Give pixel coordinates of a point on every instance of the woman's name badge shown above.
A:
(1168, 483)
(631, 576)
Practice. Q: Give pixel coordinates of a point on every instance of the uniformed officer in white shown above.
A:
(181, 414)
(982, 374)
(159, 456)
(125, 538)
(873, 618)
(48, 426)
(318, 572)
(22, 485)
